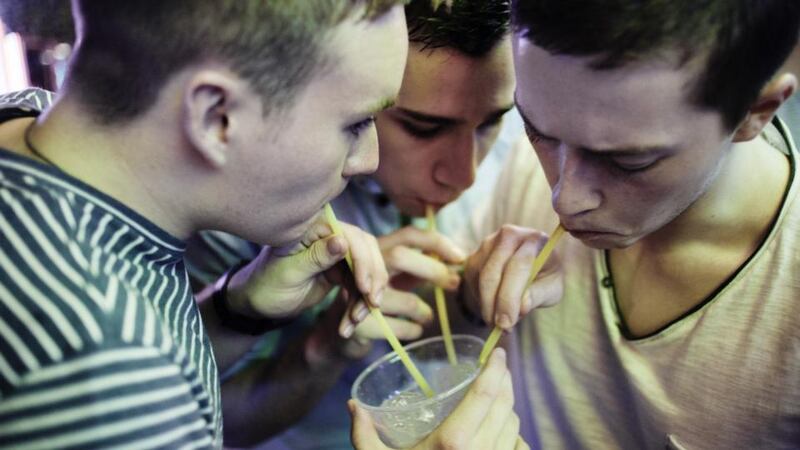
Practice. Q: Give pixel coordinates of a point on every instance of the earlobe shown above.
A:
(764, 108)
(207, 103)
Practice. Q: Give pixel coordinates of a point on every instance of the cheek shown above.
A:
(548, 158)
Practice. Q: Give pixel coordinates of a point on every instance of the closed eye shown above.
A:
(421, 132)
(358, 128)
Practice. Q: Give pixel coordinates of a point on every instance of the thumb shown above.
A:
(323, 254)
(363, 432)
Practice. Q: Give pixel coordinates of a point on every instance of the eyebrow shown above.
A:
(442, 120)
(383, 105)
(631, 151)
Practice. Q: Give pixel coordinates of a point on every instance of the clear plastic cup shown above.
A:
(400, 411)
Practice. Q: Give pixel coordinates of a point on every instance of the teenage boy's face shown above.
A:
(447, 116)
(623, 150)
(327, 136)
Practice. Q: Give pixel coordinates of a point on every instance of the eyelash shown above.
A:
(430, 133)
(422, 133)
(633, 171)
(357, 128)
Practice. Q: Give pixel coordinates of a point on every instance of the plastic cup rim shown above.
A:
(427, 401)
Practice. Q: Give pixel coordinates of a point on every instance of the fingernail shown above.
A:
(503, 321)
(377, 299)
(453, 281)
(335, 246)
(362, 312)
(348, 331)
(460, 254)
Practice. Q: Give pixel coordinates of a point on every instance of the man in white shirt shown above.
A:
(655, 147)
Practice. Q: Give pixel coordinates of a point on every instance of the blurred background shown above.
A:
(36, 38)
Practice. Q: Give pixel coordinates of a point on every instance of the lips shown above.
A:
(582, 233)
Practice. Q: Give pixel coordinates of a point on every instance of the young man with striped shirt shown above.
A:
(175, 117)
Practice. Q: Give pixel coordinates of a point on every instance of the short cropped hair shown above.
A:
(128, 50)
(46, 19)
(472, 27)
(744, 42)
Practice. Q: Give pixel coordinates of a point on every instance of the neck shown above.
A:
(135, 163)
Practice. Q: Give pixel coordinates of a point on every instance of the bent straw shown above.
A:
(441, 306)
(376, 313)
(538, 263)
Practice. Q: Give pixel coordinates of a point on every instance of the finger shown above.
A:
(500, 413)
(405, 330)
(471, 412)
(358, 312)
(347, 325)
(362, 431)
(428, 241)
(544, 292)
(406, 304)
(406, 260)
(491, 275)
(514, 284)
(318, 230)
(508, 438)
(320, 256)
(370, 273)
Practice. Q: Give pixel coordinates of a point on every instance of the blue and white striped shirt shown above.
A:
(101, 342)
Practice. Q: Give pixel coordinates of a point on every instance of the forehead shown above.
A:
(446, 82)
(639, 104)
(363, 62)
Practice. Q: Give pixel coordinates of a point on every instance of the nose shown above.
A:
(574, 193)
(364, 159)
(456, 168)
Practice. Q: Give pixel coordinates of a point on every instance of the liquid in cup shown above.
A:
(400, 411)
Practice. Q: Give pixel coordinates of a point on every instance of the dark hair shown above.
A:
(473, 27)
(744, 41)
(47, 19)
(127, 50)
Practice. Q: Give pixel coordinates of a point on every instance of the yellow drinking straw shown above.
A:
(441, 306)
(538, 263)
(376, 313)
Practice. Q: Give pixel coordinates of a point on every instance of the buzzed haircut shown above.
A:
(472, 27)
(744, 42)
(128, 50)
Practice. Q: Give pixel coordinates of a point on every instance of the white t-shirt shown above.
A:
(724, 376)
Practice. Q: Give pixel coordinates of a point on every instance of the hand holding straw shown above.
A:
(441, 306)
(376, 313)
(538, 263)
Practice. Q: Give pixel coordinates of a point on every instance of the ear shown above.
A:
(774, 94)
(208, 102)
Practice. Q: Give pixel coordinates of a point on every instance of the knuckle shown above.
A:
(395, 254)
(484, 391)
(508, 231)
(316, 257)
